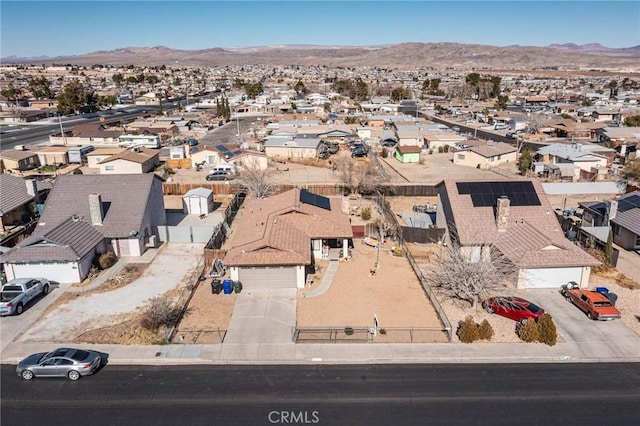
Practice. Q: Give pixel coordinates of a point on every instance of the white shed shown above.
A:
(198, 201)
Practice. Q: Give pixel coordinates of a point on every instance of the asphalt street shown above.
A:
(549, 394)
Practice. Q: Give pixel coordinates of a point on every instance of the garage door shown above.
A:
(273, 277)
(551, 277)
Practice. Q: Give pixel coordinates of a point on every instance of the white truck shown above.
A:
(15, 294)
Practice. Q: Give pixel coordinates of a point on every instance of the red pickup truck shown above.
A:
(595, 304)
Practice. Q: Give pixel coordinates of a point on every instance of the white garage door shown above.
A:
(274, 277)
(551, 277)
(58, 272)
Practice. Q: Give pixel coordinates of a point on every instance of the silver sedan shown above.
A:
(63, 362)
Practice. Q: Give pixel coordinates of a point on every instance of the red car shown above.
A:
(513, 308)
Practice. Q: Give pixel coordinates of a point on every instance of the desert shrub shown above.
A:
(468, 330)
(440, 149)
(348, 331)
(548, 332)
(384, 153)
(107, 260)
(145, 322)
(529, 331)
(485, 331)
(366, 213)
(445, 148)
(382, 331)
(161, 311)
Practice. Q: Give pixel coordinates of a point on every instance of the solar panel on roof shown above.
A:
(486, 194)
(314, 199)
(631, 202)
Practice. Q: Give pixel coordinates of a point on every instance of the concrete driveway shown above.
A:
(170, 268)
(595, 339)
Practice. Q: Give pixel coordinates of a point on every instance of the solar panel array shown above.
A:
(628, 203)
(486, 194)
(314, 199)
(226, 153)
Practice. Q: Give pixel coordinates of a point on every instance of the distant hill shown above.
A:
(404, 55)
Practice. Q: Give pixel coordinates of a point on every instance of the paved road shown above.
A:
(550, 394)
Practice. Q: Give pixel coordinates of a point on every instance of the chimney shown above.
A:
(612, 209)
(502, 212)
(95, 209)
(32, 189)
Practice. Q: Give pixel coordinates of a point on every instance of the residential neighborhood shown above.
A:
(300, 191)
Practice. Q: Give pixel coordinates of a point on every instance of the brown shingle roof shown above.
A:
(277, 230)
(142, 155)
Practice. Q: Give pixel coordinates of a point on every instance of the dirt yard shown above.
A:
(393, 294)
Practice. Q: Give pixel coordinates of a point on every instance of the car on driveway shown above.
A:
(514, 308)
(64, 362)
(17, 293)
(597, 305)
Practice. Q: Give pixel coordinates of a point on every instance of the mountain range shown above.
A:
(404, 55)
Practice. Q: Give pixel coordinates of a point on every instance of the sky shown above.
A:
(64, 28)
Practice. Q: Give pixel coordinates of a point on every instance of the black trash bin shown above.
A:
(237, 286)
(216, 286)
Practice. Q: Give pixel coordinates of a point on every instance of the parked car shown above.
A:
(218, 176)
(513, 308)
(63, 362)
(359, 152)
(598, 305)
(15, 294)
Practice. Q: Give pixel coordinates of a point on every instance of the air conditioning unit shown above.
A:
(19, 148)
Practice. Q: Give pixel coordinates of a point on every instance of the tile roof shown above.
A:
(69, 241)
(532, 236)
(13, 192)
(124, 199)
(277, 230)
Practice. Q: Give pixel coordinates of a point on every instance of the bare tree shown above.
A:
(162, 312)
(255, 180)
(370, 176)
(460, 276)
(346, 170)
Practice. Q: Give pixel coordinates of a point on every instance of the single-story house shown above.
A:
(53, 155)
(131, 161)
(485, 156)
(96, 156)
(408, 154)
(621, 214)
(514, 219)
(19, 198)
(19, 160)
(84, 216)
(275, 240)
(586, 156)
(87, 134)
(291, 147)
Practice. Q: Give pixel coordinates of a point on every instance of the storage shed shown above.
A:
(198, 201)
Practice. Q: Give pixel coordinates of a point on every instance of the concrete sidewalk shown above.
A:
(365, 353)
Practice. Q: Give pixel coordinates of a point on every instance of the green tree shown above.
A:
(300, 88)
(434, 87)
(40, 88)
(11, 93)
(613, 88)
(253, 89)
(501, 102)
(631, 170)
(118, 79)
(75, 98)
(106, 101)
(399, 93)
(525, 161)
(632, 121)
(495, 86)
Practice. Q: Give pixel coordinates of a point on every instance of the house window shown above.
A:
(109, 168)
(460, 156)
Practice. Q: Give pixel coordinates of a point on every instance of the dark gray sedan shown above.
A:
(63, 362)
